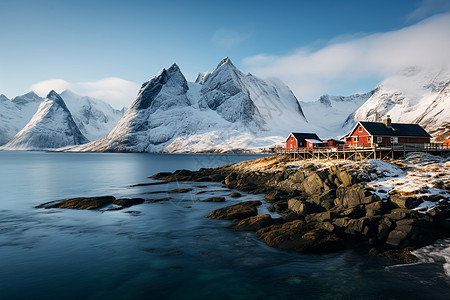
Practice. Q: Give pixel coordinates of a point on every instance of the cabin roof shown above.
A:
(396, 129)
(314, 141)
(300, 137)
(334, 140)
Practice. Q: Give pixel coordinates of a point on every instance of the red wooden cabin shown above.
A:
(297, 140)
(447, 143)
(368, 134)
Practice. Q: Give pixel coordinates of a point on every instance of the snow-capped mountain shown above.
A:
(95, 118)
(16, 113)
(222, 110)
(333, 115)
(52, 126)
(415, 95)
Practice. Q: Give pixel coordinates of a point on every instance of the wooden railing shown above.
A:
(375, 147)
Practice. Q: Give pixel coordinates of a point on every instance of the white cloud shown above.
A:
(427, 8)
(342, 63)
(115, 91)
(228, 38)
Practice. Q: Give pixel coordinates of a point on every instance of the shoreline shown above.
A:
(327, 208)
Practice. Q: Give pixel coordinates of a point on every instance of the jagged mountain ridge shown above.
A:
(95, 118)
(333, 115)
(15, 114)
(222, 110)
(52, 126)
(415, 95)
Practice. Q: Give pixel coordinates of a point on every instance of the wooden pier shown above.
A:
(379, 151)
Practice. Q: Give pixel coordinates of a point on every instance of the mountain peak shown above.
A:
(225, 62)
(174, 68)
(52, 95)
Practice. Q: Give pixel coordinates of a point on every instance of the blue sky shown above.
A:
(94, 46)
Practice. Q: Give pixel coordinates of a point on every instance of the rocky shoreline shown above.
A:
(326, 206)
(331, 206)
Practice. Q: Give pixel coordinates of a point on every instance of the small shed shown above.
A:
(332, 143)
(315, 143)
(297, 140)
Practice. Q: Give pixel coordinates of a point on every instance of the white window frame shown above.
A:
(379, 139)
(356, 139)
(394, 140)
(360, 129)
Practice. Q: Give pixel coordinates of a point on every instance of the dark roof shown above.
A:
(397, 129)
(339, 141)
(301, 137)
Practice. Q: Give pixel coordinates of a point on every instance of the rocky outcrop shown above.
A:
(238, 211)
(92, 203)
(325, 208)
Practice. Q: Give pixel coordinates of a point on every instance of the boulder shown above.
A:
(127, 202)
(300, 207)
(235, 195)
(253, 223)
(89, 203)
(405, 201)
(159, 200)
(215, 199)
(275, 195)
(238, 211)
(397, 239)
(279, 207)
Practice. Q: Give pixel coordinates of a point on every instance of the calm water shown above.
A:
(165, 250)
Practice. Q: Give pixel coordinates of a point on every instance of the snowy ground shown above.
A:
(420, 175)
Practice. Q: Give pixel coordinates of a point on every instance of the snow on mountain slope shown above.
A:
(95, 118)
(52, 126)
(331, 113)
(16, 113)
(415, 95)
(222, 110)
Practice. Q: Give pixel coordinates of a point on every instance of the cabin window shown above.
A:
(394, 140)
(355, 139)
(360, 129)
(379, 139)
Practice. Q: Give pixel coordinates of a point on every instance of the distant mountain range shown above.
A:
(223, 110)
(93, 118)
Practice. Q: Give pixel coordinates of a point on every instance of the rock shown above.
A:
(403, 256)
(327, 226)
(354, 195)
(127, 202)
(313, 184)
(89, 203)
(397, 239)
(321, 217)
(275, 195)
(405, 201)
(375, 208)
(279, 207)
(235, 195)
(300, 207)
(150, 183)
(215, 199)
(159, 200)
(398, 214)
(178, 191)
(297, 236)
(253, 223)
(238, 211)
